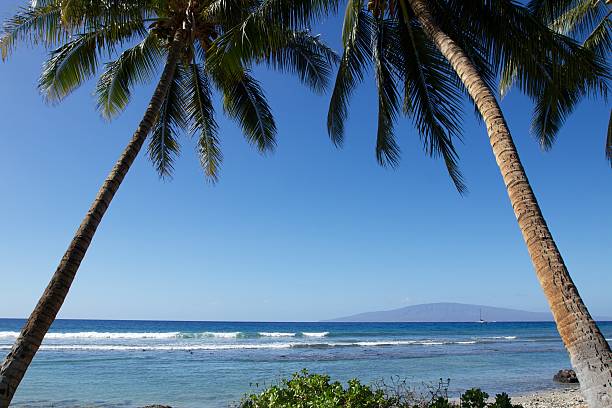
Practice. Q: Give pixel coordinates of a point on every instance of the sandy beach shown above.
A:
(569, 397)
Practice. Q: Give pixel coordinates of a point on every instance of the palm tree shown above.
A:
(587, 21)
(436, 50)
(177, 34)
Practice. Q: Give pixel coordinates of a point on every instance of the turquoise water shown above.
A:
(212, 364)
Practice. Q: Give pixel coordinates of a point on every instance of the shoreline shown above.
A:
(568, 396)
(561, 397)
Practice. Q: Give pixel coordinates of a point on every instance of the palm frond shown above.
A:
(549, 10)
(432, 97)
(135, 65)
(201, 115)
(163, 144)
(77, 60)
(244, 101)
(583, 74)
(568, 85)
(600, 39)
(230, 12)
(358, 33)
(387, 150)
(294, 14)
(507, 78)
(296, 52)
(34, 25)
(308, 57)
(579, 19)
(91, 15)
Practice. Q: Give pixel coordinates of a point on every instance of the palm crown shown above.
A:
(86, 31)
(413, 78)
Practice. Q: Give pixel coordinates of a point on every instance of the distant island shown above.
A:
(448, 312)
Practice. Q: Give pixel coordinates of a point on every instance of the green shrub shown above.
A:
(306, 390)
(440, 402)
(474, 398)
(503, 401)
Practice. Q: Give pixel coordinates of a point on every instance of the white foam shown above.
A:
(100, 335)
(501, 337)
(112, 335)
(318, 335)
(276, 334)
(169, 347)
(8, 334)
(380, 343)
(246, 346)
(222, 335)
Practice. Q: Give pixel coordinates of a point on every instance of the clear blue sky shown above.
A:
(307, 233)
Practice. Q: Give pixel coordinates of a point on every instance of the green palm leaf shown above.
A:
(432, 97)
(294, 14)
(35, 25)
(387, 150)
(585, 74)
(244, 101)
(358, 32)
(135, 65)
(230, 12)
(296, 52)
(93, 15)
(568, 85)
(600, 39)
(201, 115)
(163, 144)
(76, 61)
(579, 19)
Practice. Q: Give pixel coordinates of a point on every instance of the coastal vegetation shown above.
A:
(305, 390)
(427, 56)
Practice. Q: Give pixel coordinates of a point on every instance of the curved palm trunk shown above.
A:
(589, 352)
(16, 363)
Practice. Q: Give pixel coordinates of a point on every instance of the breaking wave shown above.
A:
(244, 346)
(276, 334)
(321, 334)
(99, 335)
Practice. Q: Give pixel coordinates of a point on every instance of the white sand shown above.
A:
(569, 397)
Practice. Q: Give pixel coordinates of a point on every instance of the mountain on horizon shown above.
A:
(448, 312)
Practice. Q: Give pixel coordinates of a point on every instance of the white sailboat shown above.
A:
(481, 321)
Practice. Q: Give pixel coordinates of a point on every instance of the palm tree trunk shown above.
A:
(589, 352)
(16, 363)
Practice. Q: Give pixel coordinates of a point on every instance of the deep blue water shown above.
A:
(212, 364)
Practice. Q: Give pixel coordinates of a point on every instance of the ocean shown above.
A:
(213, 364)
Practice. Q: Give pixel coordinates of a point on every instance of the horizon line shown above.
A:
(297, 321)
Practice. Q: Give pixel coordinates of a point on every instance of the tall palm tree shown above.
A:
(587, 21)
(425, 55)
(178, 35)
